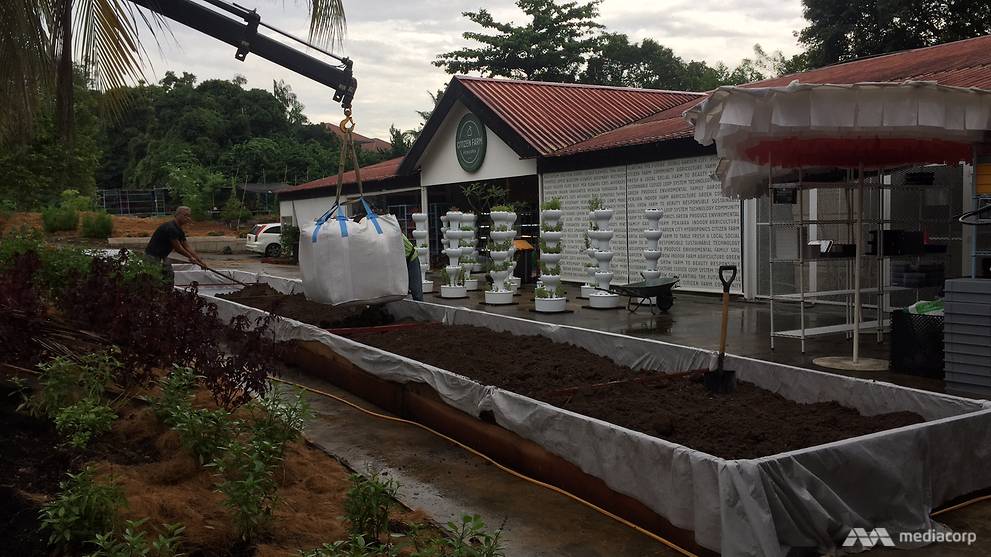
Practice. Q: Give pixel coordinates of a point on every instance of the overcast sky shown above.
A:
(393, 43)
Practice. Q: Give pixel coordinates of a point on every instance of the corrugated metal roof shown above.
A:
(552, 116)
(369, 174)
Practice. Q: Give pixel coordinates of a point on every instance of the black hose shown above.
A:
(985, 209)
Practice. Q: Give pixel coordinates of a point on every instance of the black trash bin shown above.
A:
(916, 344)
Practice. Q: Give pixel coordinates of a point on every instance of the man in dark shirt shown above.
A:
(169, 237)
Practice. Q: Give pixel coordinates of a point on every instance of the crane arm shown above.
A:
(245, 37)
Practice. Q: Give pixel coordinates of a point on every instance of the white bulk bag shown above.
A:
(343, 261)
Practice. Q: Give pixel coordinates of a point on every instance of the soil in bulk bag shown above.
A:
(343, 261)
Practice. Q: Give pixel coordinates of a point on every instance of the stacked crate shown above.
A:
(967, 336)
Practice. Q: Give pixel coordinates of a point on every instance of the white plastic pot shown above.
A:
(499, 298)
(550, 305)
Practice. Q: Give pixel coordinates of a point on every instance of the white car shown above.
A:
(265, 239)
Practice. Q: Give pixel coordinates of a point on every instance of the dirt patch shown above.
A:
(750, 423)
(125, 227)
(296, 306)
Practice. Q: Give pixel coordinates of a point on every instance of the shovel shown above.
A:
(721, 380)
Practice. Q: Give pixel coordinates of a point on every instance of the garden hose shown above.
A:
(510, 471)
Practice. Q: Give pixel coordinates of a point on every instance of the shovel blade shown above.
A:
(720, 381)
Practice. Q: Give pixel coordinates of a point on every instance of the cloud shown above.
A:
(393, 44)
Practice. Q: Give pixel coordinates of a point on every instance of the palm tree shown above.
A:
(42, 40)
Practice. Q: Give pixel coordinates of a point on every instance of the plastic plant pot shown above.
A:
(471, 285)
(551, 236)
(499, 298)
(550, 305)
(551, 214)
(448, 291)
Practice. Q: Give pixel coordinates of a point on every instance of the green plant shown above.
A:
(550, 270)
(65, 381)
(234, 210)
(468, 538)
(501, 209)
(354, 546)
(57, 219)
(552, 204)
(367, 504)
(202, 431)
(290, 241)
(594, 204)
(176, 393)
(541, 292)
(82, 509)
(279, 419)
(97, 225)
(248, 485)
(72, 199)
(548, 249)
(133, 543)
(556, 228)
(80, 422)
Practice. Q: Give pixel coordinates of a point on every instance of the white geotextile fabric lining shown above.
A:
(805, 498)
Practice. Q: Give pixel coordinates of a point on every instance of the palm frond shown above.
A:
(27, 64)
(327, 22)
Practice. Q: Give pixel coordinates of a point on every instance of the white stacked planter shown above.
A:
(590, 267)
(602, 234)
(550, 218)
(501, 238)
(469, 253)
(453, 235)
(423, 249)
(653, 236)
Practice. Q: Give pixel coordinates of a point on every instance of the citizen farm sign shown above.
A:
(469, 143)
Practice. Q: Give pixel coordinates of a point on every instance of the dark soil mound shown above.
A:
(749, 423)
(296, 306)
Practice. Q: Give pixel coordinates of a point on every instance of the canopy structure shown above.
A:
(763, 132)
(868, 125)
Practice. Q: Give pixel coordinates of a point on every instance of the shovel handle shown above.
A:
(723, 269)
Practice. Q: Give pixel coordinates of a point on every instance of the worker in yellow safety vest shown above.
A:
(413, 270)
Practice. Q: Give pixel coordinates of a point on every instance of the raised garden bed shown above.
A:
(808, 498)
(296, 306)
(749, 423)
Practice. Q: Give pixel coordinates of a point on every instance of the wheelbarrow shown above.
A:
(639, 292)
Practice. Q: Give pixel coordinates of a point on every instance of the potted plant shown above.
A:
(553, 299)
(500, 245)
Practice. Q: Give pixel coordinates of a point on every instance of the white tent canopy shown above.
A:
(807, 125)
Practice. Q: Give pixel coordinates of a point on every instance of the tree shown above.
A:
(400, 141)
(647, 65)
(841, 30)
(290, 102)
(553, 46)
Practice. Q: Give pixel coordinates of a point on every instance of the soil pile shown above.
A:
(296, 306)
(750, 423)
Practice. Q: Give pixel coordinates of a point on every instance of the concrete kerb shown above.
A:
(763, 506)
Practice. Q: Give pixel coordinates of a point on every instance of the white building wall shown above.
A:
(702, 229)
(439, 163)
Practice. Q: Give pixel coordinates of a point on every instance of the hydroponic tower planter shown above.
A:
(600, 298)
(548, 297)
(501, 238)
(421, 235)
(653, 236)
(453, 236)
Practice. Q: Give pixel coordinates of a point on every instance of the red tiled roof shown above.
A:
(662, 126)
(552, 116)
(371, 173)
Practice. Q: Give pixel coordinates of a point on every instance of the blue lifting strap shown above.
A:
(341, 219)
(371, 216)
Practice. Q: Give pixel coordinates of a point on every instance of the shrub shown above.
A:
(202, 431)
(80, 422)
(132, 542)
(469, 539)
(82, 509)
(57, 219)
(234, 210)
(290, 241)
(355, 546)
(367, 504)
(248, 485)
(551, 205)
(98, 225)
(72, 199)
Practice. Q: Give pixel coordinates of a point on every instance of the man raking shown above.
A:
(169, 237)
